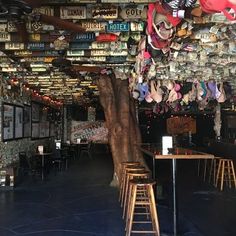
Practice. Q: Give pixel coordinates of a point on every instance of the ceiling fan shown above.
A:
(18, 11)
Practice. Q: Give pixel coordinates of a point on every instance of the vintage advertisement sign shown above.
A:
(180, 125)
(133, 12)
(94, 26)
(118, 26)
(94, 131)
(73, 12)
(5, 37)
(104, 12)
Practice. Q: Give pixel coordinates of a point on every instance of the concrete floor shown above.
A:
(80, 201)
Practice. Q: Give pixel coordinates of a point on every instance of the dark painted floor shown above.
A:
(81, 202)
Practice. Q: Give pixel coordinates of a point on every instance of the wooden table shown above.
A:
(174, 154)
(42, 155)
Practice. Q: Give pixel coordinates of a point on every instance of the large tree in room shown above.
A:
(123, 130)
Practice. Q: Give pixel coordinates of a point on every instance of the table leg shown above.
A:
(174, 196)
(42, 168)
(153, 167)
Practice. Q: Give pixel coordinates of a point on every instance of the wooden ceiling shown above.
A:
(30, 45)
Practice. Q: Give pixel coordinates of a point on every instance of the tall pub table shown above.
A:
(42, 155)
(173, 154)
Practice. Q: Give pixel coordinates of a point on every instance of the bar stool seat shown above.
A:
(225, 173)
(145, 222)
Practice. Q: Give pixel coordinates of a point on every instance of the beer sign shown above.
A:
(132, 12)
(75, 12)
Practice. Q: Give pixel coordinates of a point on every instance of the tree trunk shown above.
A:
(123, 131)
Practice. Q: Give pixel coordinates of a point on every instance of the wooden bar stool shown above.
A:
(202, 167)
(132, 168)
(133, 174)
(213, 170)
(225, 173)
(145, 222)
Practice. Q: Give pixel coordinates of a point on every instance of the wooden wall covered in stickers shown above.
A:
(94, 131)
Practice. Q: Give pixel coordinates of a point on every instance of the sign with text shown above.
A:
(118, 27)
(94, 131)
(94, 26)
(73, 12)
(84, 37)
(180, 125)
(104, 12)
(14, 46)
(133, 12)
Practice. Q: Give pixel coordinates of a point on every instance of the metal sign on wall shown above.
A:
(94, 26)
(118, 26)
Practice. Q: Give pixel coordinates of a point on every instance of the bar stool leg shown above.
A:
(222, 176)
(233, 173)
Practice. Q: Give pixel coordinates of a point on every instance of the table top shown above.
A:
(175, 153)
(44, 154)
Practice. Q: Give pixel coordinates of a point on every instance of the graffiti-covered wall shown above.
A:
(94, 131)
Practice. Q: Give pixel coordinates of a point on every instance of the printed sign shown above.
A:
(73, 12)
(84, 37)
(14, 46)
(94, 25)
(5, 37)
(104, 12)
(88, 59)
(118, 27)
(39, 26)
(132, 12)
(90, 130)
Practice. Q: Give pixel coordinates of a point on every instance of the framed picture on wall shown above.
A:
(18, 122)
(35, 130)
(35, 110)
(27, 121)
(7, 122)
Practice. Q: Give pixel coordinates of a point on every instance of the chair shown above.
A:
(85, 149)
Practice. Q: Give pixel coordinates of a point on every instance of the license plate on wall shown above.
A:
(94, 26)
(75, 12)
(84, 37)
(118, 27)
(104, 12)
(14, 46)
(5, 37)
